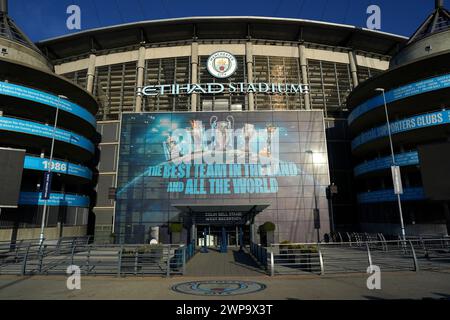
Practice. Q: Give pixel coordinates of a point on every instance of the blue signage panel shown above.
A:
(409, 194)
(403, 159)
(33, 128)
(417, 122)
(13, 90)
(47, 185)
(55, 199)
(42, 164)
(400, 93)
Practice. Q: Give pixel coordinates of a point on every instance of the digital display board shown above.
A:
(41, 130)
(435, 170)
(413, 123)
(17, 91)
(11, 162)
(227, 158)
(409, 90)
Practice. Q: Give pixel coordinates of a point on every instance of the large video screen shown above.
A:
(435, 169)
(221, 158)
(11, 164)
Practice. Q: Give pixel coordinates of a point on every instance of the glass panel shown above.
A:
(115, 87)
(79, 77)
(167, 71)
(225, 101)
(278, 70)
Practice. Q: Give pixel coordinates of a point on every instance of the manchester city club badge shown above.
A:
(222, 64)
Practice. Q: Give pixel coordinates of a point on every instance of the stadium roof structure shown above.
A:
(223, 29)
(10, 31)
(437, 21)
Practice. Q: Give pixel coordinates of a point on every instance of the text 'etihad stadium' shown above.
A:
(218, 88)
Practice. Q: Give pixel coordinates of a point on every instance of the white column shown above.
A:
(140, 79)
(249, 62)
(91, 73)
(304, 71)
(353, 69)
(194, 73)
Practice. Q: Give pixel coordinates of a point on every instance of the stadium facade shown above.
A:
(133, 71)
(417, 93)
(221, 124)
(36, 105)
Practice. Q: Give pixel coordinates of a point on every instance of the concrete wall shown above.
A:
(236, 49)
(50, 233)
(19, 53)
(439, 42)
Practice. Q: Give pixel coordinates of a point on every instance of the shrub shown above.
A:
(303, 248)
(175, 227)
(148, 248)
(266, 227)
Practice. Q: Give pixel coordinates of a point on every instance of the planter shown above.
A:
(266, 232)
(302, 257)
(270, 237)
(176, 237)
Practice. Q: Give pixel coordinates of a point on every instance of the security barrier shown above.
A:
(356, 256)
(53, 258)
(29, 257)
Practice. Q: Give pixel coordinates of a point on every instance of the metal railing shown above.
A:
(259, 253)
(356, 256)
(53, 258)
(190, 250)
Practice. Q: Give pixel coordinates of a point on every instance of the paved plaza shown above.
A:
(214, 263)
(395, 285)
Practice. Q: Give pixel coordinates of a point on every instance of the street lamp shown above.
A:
(47, 183)
(316, 209)
(396, 178)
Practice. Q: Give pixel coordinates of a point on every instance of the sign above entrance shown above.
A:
(221, 218)
(222, 64)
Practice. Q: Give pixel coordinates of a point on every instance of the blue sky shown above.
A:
(44, 19)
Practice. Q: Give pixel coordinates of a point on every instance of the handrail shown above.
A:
(166, 260)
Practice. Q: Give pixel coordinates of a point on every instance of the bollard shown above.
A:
(369, 255)
(272, 264)
(322, 267)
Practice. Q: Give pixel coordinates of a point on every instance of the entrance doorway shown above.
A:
(215, 237)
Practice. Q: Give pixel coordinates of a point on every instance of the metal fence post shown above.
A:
(272, 264)
(119, 262)
(88, 260)
(168, 261)
(136, 260)
(184, 259)
(416, 263)
(24, 264)
(41, 257)
(349, 239)
(369, 255)
(73, 253)
(322, 268)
